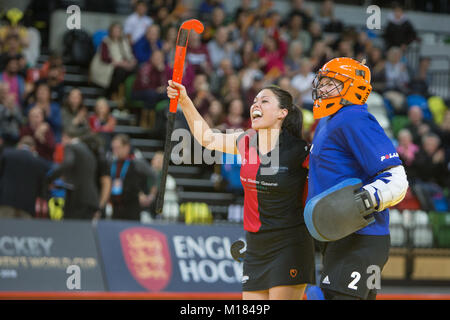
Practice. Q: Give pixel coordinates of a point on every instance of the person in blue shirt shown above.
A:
(349, 143)
(147, 44)
(52, 109)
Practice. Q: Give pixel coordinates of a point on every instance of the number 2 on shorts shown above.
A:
(356, 276)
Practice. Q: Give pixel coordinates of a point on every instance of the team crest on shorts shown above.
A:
(293, 272)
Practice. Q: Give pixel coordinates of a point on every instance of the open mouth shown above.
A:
(256, 114)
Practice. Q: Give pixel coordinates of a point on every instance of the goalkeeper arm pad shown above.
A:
(389, 188)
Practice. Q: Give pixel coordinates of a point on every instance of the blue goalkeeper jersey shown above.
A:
(351, 144)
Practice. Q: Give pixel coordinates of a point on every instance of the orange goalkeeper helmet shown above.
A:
(354, 78)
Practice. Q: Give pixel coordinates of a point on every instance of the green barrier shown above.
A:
(440, 223)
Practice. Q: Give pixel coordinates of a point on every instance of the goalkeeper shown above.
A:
(349, 143)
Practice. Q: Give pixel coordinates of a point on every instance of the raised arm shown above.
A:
(223, 142)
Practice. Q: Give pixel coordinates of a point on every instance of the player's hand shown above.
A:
(177, 90)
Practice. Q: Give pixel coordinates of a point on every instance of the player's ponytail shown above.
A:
(293, 122)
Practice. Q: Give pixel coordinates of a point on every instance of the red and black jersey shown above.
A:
(273, 183)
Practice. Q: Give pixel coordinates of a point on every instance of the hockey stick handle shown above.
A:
(166, 160)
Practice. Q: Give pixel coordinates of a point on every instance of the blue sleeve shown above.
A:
(369, 144)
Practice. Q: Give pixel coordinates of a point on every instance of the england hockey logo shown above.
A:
(147, 255)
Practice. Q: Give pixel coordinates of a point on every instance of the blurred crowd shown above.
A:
(236, 56)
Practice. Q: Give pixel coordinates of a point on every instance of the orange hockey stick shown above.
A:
(178, 68)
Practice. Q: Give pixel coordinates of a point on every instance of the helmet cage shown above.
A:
(333, 76)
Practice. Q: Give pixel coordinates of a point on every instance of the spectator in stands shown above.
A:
(256, 85)
(327, 19)
(215, 116)
(377, 66)
(273, 21)
(284, 82)
(315, 31)
(137, 23)
(345, 48)
(213, 23)
(406, 148)
(248, 54)
(239, 26)
(128, 181)
(202, 94)
(298, 8)
(231, 90)
(294, 57)
(11, 119)
(418, 126)
(151, 81)
(220, 48)
(397, 76)
(13, 49)
(55, 80)
(244, 6)
(296, 31)
(166, 18)
(197, 54)
(399, 31)
(52, 110)
(147, 44)
(41, 132)
(272, 55)
(155, 5)
(169, 43)
(16, 83)
(430, 163)
(102, 120)
(22, 176)
(235, 118)
(256, 31)
(218, 77)
(113, 62)
(320, 54)
(397, 79)
(248, 74)
(55, 60)
(79, 170)
(420, 82)
(207, 7)
(362, 46)
(74, 112)
(303, 83)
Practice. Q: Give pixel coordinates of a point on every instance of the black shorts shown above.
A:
(278, 258)
(352, 265)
